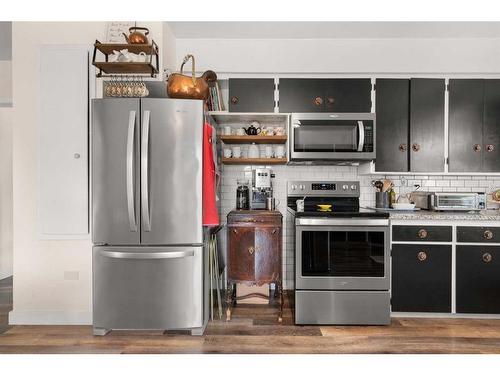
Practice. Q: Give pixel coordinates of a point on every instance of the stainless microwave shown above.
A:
(332, 137)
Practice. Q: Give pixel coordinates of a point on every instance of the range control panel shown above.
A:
(323, 188)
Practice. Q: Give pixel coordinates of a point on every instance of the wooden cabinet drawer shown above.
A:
(478, 279)
(421, 278)
(478, 234)
(251, 95)
(252, 219)
(421, 233)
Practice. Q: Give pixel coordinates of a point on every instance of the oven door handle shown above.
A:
(361, 141)
(312, 221)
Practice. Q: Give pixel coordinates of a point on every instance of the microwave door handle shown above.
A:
(361, 141)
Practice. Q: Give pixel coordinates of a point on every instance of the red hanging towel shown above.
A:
(210, 213)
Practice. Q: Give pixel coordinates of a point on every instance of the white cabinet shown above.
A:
(63, 186)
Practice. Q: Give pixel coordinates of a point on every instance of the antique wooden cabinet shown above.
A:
(254, 253)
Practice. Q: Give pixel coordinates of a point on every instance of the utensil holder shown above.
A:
(382, 199)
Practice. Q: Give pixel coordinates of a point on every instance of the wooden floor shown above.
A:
(254, 329)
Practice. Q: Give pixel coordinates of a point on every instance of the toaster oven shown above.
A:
(452, 201)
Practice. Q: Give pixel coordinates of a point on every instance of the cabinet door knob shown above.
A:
(415, 147)
(234, 99)
(422, 233)
(76, 155)
(330, 100)
(422, 256)
(476, 147)
(488, 234)
(487, 257)
(402, 147)
(490, 148)
(235, 231)
(251, 250)
(318, 101)
(274, 231)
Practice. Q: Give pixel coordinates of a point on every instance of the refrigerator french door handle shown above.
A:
(361, 142)
(130, 172)
(146, 221)
(158, 255)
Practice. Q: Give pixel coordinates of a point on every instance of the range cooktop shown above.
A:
(342, 196)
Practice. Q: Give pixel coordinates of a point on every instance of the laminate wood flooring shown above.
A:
(255, 329)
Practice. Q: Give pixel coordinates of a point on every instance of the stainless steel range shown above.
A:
(342, 256)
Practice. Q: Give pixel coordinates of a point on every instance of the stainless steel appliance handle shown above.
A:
(146, 221)
(361, 142)
(158, 255)
(307, 221)
(130, 172)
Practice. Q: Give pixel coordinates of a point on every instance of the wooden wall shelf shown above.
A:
(150, 67)
(260, 139)
(251, 161)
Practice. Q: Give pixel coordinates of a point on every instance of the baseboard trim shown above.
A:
(50, 317)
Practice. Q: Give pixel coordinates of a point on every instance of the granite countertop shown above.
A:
(486, 215)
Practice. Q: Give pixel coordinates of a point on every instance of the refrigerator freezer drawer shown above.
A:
(342, 307)
(148, 287)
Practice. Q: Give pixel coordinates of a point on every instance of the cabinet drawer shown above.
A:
(478, 234)
(235, 219)
(251, 95)
(421, 278)
(478, 279)
(421, 233)
(147, 287)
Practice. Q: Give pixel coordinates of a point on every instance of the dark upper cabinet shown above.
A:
(348, 95)
(465, 121)
(421, 278)
(325, 95)
(410, 125)
(427, 125)
(478, 279)
(301, 95)
(392, 108)
(251, 95)
(474, 125)
(491, 126)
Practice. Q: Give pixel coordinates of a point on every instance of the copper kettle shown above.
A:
(136, 37)
(182, 86)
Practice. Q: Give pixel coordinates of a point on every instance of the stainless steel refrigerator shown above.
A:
(148, 239)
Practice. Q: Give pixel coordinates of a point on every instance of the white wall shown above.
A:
(5, 193)
(479, 55)
(42, 295)
(169, 52)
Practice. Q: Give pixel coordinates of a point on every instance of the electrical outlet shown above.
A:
(71, 275)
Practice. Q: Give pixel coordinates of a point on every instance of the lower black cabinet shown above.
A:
(478, 279)
(421, 278)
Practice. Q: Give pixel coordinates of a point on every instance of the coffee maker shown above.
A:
(261, 188)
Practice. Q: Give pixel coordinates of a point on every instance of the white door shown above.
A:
(63, 196)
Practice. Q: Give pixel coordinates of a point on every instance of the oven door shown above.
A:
(332, 136)
(352, 254)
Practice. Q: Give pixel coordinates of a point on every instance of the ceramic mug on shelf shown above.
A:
(227, 153)
(268, 130)
(269, 152)
(236, 152)
(279, 152)
(240, 131)
(279, 131)
(227, 130)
